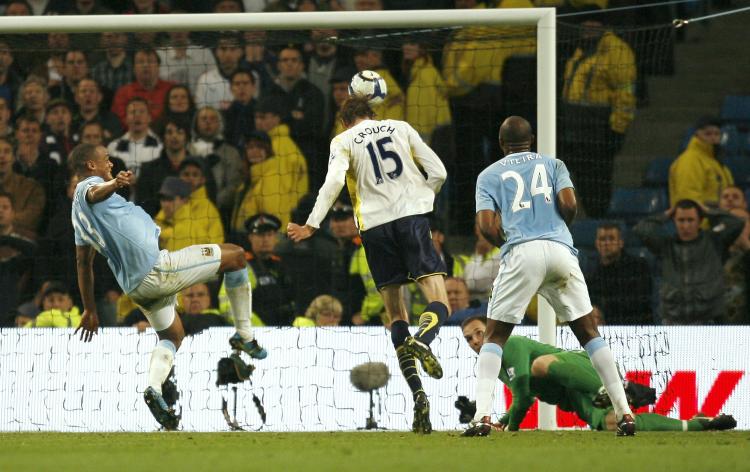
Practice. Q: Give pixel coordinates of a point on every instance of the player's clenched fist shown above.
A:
(124, 178)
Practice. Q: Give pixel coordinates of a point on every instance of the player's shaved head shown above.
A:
(80, 155)
(516, 135)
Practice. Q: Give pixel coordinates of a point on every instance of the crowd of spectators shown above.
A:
(228, 136)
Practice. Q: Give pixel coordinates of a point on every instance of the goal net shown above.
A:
(234, 113)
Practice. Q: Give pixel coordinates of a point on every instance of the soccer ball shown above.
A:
(368, 84)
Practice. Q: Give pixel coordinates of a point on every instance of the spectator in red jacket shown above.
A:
(147, 85)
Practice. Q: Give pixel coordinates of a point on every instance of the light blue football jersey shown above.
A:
(119, 230)
(523, 188)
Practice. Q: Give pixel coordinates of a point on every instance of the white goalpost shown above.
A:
(544, 19)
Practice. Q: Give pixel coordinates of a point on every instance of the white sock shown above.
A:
(241, 301)
(162, 358)
(490, 361)
(604, 363)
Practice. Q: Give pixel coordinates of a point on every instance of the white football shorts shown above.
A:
(544, 267)
(174, 271)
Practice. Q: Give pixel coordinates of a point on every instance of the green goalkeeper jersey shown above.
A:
(518, 355)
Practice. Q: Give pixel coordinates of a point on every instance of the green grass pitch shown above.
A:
(367, 451)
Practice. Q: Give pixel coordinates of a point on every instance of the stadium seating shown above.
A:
(657, 173)
(632, 204)
(584, 232)
(740, 167)
(736, 108)
(735, 139)
(587, 259)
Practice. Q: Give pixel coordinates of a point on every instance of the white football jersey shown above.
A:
(389, 171)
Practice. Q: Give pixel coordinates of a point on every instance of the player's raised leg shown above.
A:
(394, 306)
(430, 321)
(234, 268)
(601, 357)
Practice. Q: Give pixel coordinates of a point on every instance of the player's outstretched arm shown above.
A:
(85, 266)
(99, 192)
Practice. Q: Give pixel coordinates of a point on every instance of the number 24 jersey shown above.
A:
(523, 188)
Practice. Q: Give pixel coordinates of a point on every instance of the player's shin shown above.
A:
(162, 358)
(490, 361)
(407, 363)
(430, 322)
(240, 299)
(604, 363)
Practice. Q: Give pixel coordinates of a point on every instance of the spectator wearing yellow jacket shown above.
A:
(598, 105)
(426, 101)
(183, 224)
(58, 310)
(277, 171)
(392, 108)
(469, 60)
(697, 174)
(473, 64)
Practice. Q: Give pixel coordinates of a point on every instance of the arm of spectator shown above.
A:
(215, 228)
(201, 92)
(307, 112)
(622, 80)
(725, 226)
(30, 211)
(653, 233)
(119, 103)
(235, 176)
(23, 245)
(428, 160)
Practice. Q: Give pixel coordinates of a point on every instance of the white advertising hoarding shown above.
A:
(51, 381)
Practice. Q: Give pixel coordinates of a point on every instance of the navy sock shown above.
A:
(430, 321)
(408, 365)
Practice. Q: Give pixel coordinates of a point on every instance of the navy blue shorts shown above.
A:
(401, 250)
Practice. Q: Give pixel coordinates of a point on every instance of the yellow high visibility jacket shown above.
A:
(477, 54)
(196, 222)
(276, 184)
(697, 175)
(338, 126)
(372, 305)
(392, 108)
(605, 78)
(426, 102)
(56, 319)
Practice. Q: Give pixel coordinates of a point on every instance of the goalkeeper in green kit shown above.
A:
(567, 379)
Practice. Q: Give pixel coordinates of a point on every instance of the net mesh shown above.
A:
(214, 93)
(454, 85)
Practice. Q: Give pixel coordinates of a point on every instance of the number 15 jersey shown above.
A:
(382, 162)
(523, 188)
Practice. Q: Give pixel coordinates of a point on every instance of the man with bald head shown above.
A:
(524, 203)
